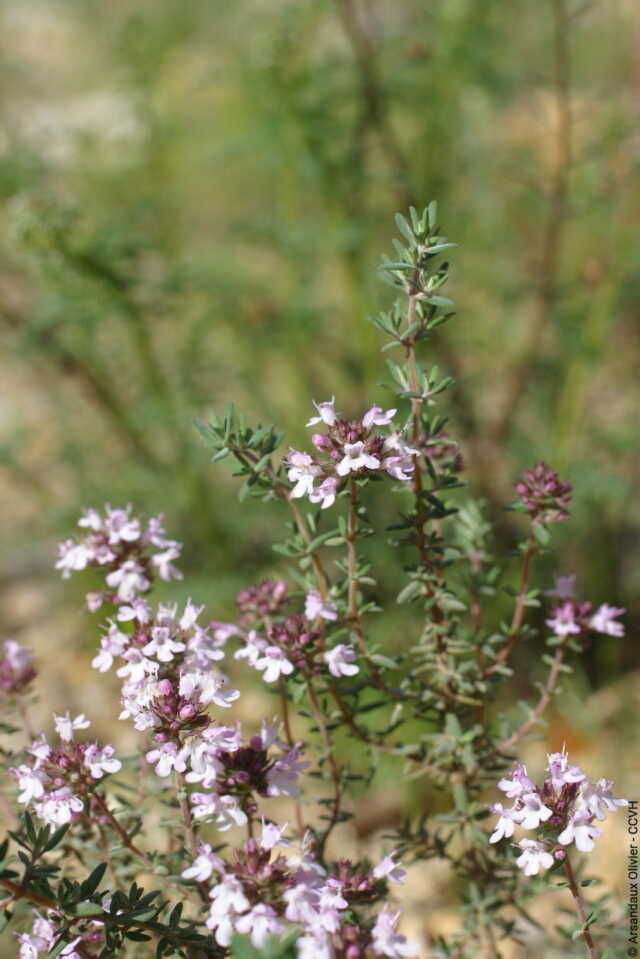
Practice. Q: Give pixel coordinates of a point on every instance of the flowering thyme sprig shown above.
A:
(60, 780)
(263, 894)
(129, 553)
(348, 447)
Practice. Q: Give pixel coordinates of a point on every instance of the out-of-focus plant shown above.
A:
(437, 704)
(193, 212)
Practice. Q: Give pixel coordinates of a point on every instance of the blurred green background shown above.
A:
(196, 196)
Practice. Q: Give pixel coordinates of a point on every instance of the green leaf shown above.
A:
(56, 838)
(92, 882)
(404, 228)
(57, 949)
(541, 533)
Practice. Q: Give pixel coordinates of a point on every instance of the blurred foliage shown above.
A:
(195, 197)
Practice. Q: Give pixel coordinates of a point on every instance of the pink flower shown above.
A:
(356, 458)
(273, 664)
(563, 622)
(603, 620)
(65, 726)
(326, 413)
(168, 757)
(325, 493)
(375, 416)
(341, 661)
(564, 587)
(260, 923)
(101, 761)
(534, 857)
(302, 471)
(314, 606)
(204, 865)
(582, 832)
(506, 823)
(561, 773)
(519, 784)
(389, 869)
(272, 835)
(282, 778)
(386, 939)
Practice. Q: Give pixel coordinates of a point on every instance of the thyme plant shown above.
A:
(182, 848)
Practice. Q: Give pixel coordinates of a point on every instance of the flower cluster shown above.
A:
(348, 447)
(276, 644)
(544, 495)
(61, 778)
(562, 811)
(267, 599)
(262, 894)
(573, 617)
(45, 936)
(293, 643)
(17, 668)
(169, 668)
(128, 551)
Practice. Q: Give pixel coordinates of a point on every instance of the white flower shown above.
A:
(314, 945)
(561, 773)
(138, 609)
(162, 644)
(121, 527)
(302, 471)
(168, 757)
(341, 661)
(128, 580)
(91, 519)
(518, 784)
(389, 869)
(137, 667)
(204, 865)
(532, 812)
(224, 810)
(260, 923)
(65, 725)
(325, 493)
(59, 807)
(73, 556)
(395, 443)
(211, 687)
(282, 778)
(273, 663)
(101, 761)
(505, 825)
(399, 467)
(355, 458)
(315, 606)
(30, 783)
(113, 644)
(253, 649)
(190, 615)
(386, 939)
(563, 622)
(272, 835)
(597, 798)
(164, 562)
(604, 620)
(376, 416)
(227, 901)
(582, 832)
(534, 857)
(326, 411)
